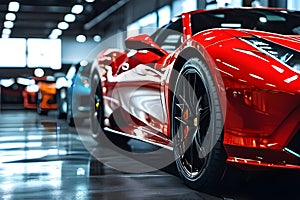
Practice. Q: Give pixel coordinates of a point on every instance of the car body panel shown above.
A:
(259, 94)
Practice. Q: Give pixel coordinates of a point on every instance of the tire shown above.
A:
(61, 103)
(96, 168)
(96, 106)
(70, 118)
(39, 110)
(197, 127)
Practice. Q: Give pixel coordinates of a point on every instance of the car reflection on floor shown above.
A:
(42, 158)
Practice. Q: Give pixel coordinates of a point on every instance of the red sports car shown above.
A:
(216, 87)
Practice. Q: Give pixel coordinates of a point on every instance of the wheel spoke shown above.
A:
(199, 148)
(198, 107)
(190, 91)
(193, 94)
(180, 106)
(191, 157)
(184, 102)
(204, 114)
(181, 120)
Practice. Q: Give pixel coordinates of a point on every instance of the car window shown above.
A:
(169, 37)
(275, 21)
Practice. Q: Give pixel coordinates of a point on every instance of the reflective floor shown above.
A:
(43, 158)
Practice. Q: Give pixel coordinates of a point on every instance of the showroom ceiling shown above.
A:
(38, 18)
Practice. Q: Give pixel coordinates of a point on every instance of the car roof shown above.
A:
(241, 8)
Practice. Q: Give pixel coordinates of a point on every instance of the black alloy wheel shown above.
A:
(96, 106)
(196, 127)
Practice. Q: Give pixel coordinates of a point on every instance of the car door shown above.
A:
(140, 90)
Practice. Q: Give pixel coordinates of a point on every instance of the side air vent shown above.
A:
(294, 146)
(283, 54)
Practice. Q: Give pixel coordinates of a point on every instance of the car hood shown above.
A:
(237, 54)
(290, 41)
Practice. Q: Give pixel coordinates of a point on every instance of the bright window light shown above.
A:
(77, 9)
(180, 6)
(8, 24)
(189, 5)
(6, 31)
(13, 6)
(10, 17)
(81, 38)
(63, 25)
(44, 53)
(70, 18)
(14, 48)
(133, 29)
(148, 19)
(164, 15)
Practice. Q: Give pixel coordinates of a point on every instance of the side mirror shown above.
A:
(144, 42)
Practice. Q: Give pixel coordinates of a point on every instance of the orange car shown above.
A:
(46, 96)
(30, 96)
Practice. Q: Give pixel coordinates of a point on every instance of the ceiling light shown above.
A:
(97, 38)
(6, 31)
(13, 6)
(56, 32)
(77, 9)
(63, 25)
(38, 72)
(80, 38)
(70, 18)
(10, 16)
(90, 1)
(8, 24)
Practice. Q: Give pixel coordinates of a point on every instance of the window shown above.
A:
(44, 53)
(13, 52)
(146, 24)
(181, 6)
(265, 20)
(169, 37)
(164, 15)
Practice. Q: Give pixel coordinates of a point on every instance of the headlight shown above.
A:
(283, 54)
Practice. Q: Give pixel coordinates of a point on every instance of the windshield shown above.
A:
(275, 21)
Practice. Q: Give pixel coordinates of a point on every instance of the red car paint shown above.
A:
(259, 95)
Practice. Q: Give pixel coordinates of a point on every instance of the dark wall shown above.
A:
(25, 72)
(276, 3)
(247, 3)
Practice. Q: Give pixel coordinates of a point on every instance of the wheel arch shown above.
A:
(182, 58)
